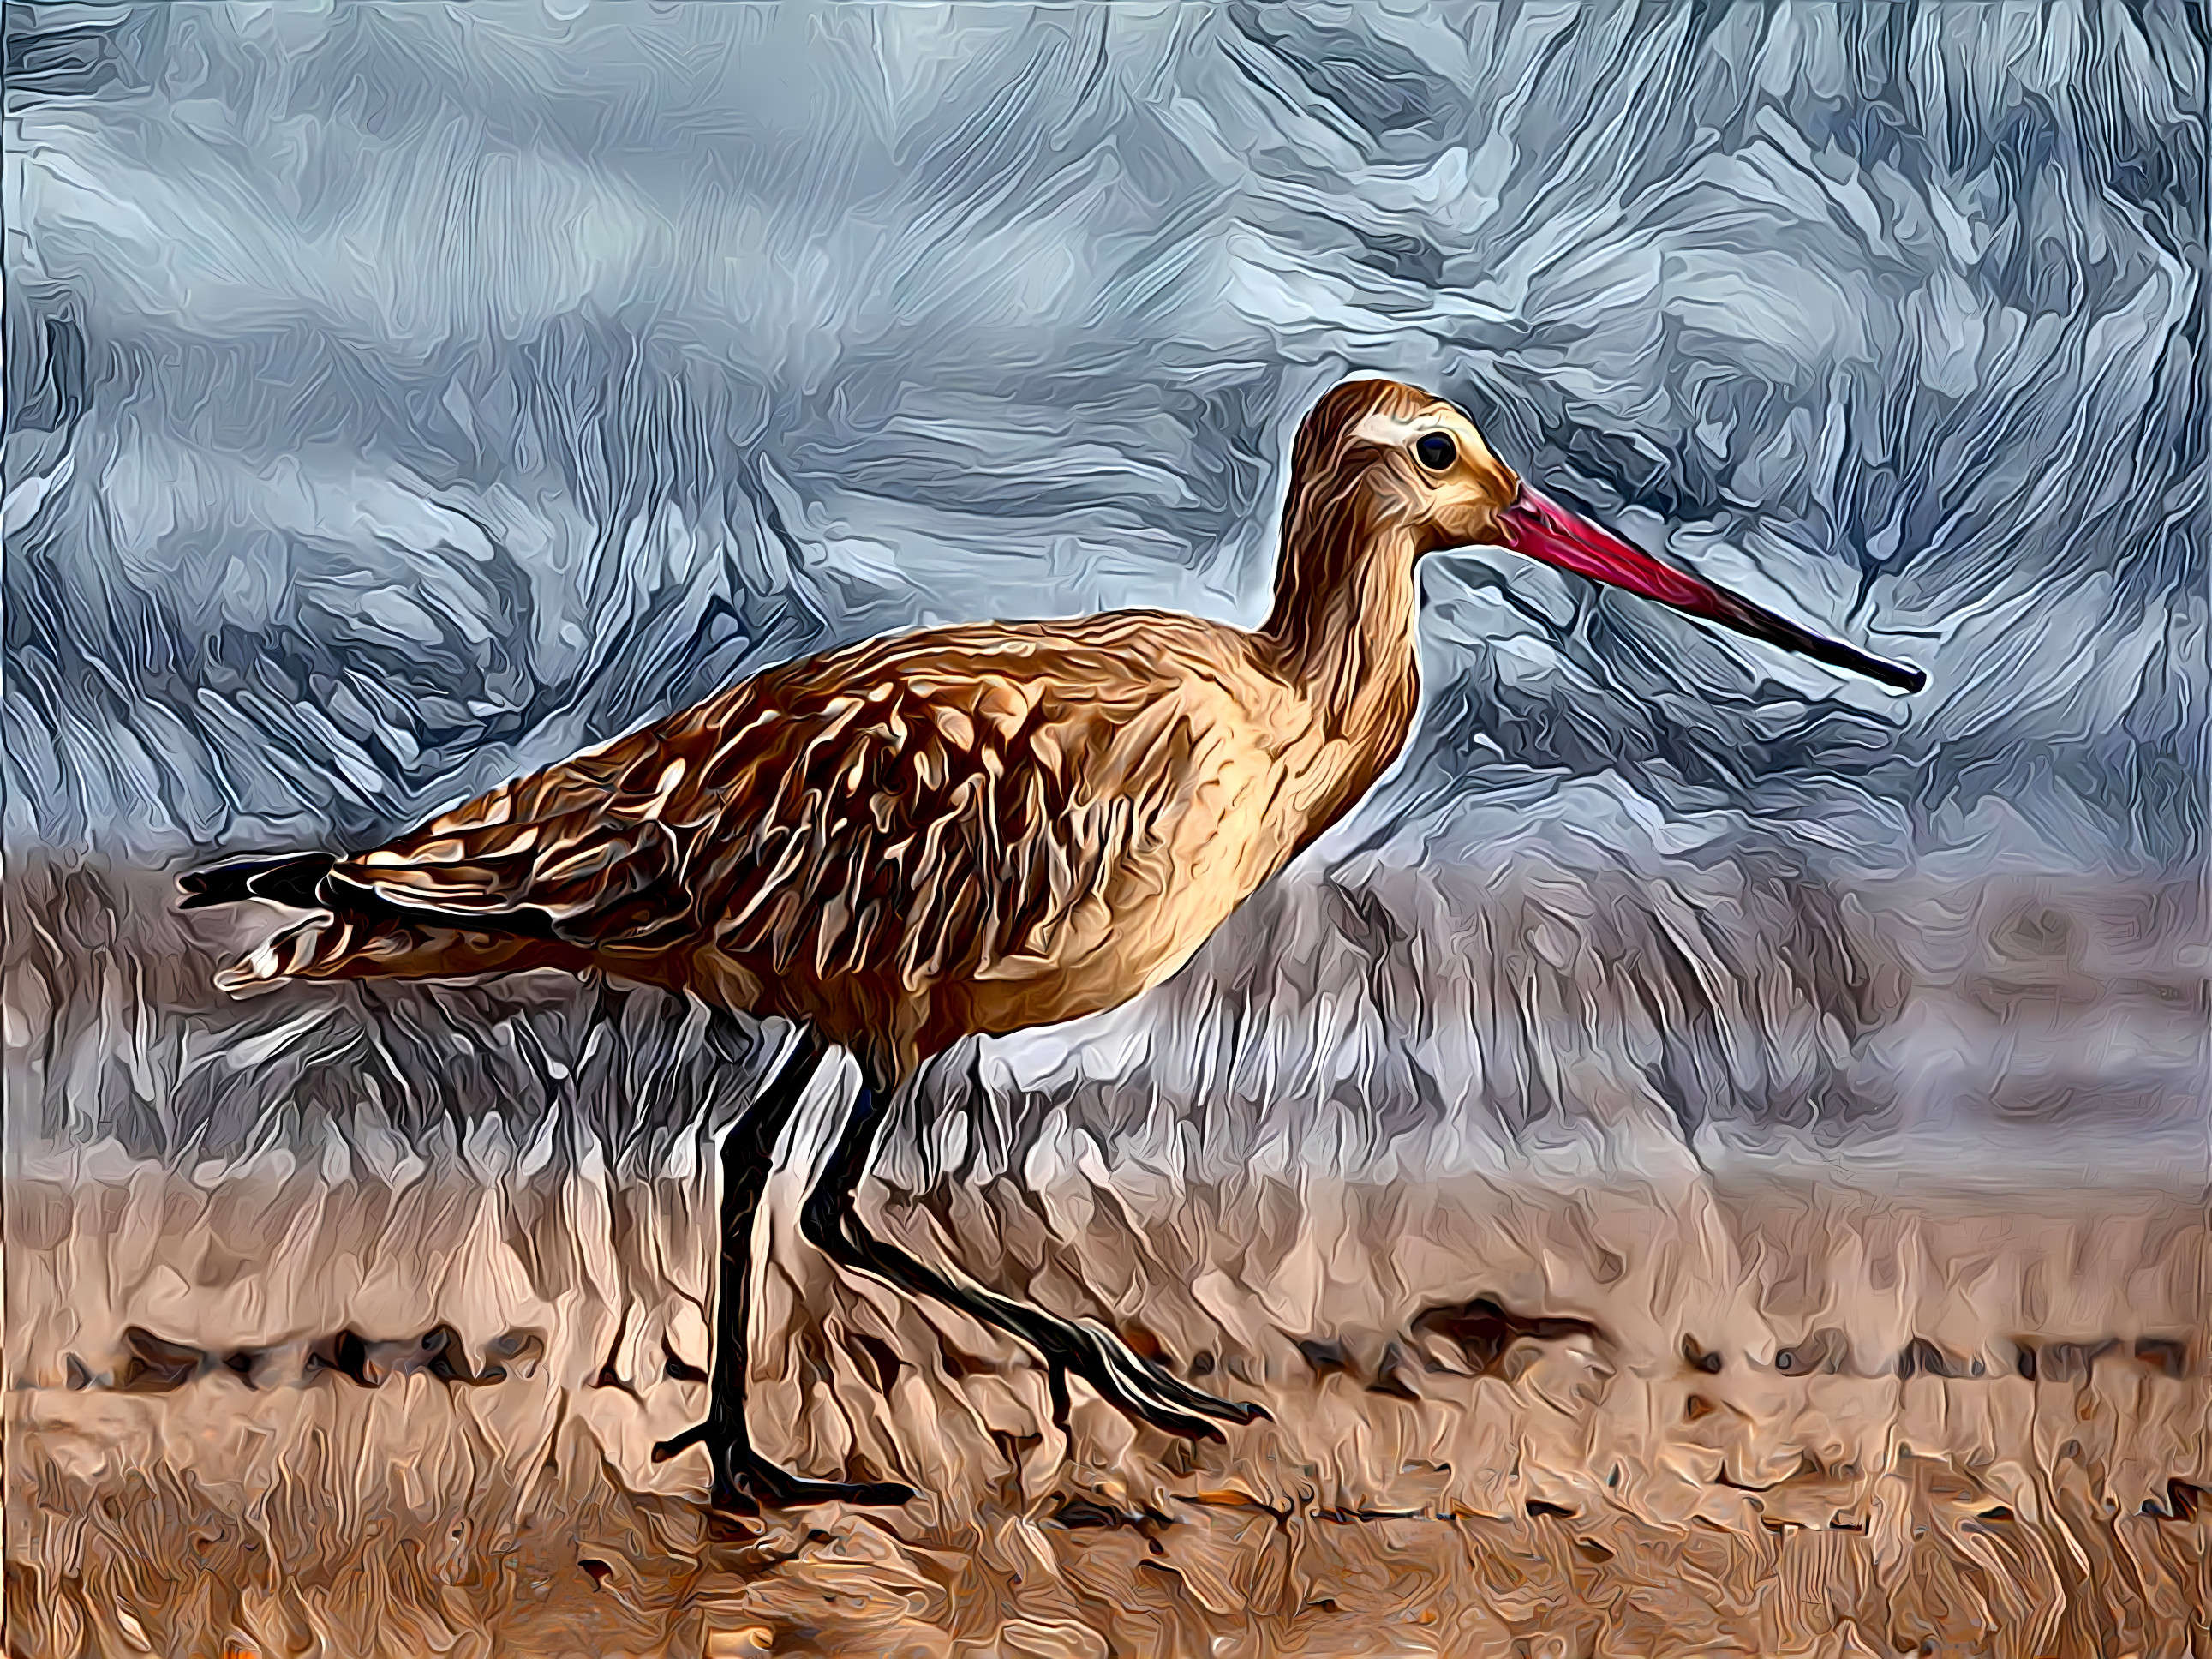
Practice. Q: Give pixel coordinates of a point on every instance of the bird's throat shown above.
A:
(1343, 634)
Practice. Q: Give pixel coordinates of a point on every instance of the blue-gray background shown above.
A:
(400, 397)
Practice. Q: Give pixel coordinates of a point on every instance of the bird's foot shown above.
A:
(746, 1483)
(1135, 1386)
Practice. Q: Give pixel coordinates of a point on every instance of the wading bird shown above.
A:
(968, 829)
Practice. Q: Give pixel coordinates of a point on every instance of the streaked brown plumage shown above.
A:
(968, 829)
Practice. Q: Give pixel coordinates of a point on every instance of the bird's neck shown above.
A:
(1342, 630)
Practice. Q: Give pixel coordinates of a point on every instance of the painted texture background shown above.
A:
(401, 396)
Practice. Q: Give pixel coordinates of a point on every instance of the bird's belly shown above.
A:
(1149, 922)
(1138, 954)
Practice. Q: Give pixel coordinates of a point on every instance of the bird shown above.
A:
(963, 831)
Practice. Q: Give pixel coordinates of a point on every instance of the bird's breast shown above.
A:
(1159, 902)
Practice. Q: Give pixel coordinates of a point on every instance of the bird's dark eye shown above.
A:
(1437, 450)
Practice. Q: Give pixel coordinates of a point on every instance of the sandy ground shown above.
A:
(1771, 1416)
(278, 1387)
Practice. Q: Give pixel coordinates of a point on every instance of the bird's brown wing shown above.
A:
(945, 804)
(564, 851)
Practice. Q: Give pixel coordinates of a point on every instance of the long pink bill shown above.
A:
(1539, 527)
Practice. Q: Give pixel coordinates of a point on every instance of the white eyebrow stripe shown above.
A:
(1384, 428)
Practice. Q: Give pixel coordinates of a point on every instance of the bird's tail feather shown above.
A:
(357, 935)
(294, 880)
(344, 945)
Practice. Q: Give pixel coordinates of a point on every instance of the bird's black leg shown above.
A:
(1103, 1360)
(741, 1473)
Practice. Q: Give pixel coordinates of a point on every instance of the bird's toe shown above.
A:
(754, 1483)
(746, 1483)
(1166, 1401)
(1139, 1393)
(778, 1490)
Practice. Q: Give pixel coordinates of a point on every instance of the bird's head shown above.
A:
(1400, 459)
